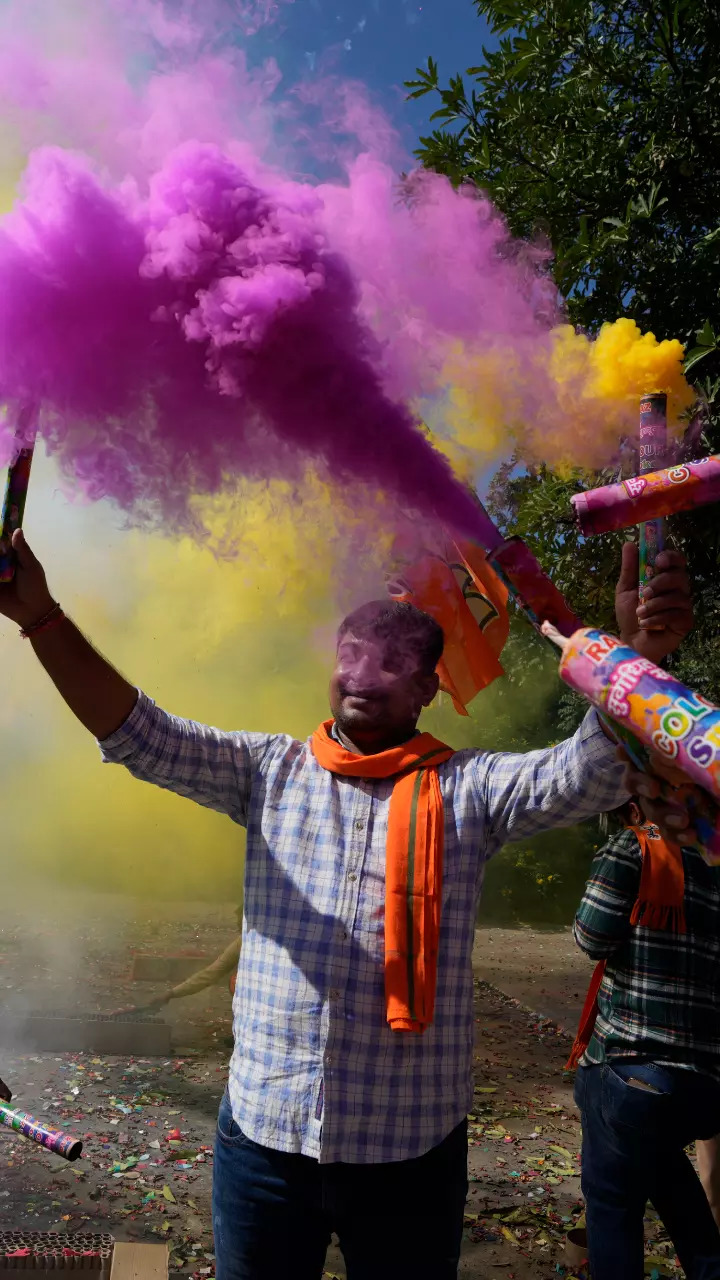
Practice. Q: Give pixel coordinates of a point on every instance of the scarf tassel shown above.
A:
(656, 915)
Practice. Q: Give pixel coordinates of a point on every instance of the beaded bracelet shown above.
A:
(50, 619)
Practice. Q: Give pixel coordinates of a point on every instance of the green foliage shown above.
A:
(540, 882)
(598, 126)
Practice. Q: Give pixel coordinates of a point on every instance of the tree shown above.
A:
(597, 126)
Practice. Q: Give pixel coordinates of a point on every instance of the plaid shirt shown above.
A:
(316, 1069)
(660, 996)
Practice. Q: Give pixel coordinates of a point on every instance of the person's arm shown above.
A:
(225, 963)
(201, 763)
(95, 692)
(602, 922)
(523, 795)
(5, 1093)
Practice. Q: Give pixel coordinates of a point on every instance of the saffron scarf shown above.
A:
(413, 865)
(660, 905)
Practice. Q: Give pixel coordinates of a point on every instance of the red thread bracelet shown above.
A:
(51, 619)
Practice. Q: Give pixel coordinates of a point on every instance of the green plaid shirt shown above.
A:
(660, 996)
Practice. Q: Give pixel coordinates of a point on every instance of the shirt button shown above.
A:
(328, 1059)
(359, 825)
(334, 994)
(352, 876)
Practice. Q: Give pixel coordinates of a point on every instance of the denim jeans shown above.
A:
(634, 1141)
(273, 1212)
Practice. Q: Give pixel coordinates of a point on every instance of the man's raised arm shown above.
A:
(95, 692)
(207, 765)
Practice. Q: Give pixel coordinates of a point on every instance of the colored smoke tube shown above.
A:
(16, 486)
(652, 455)
(526, 580)
(531, 588)
(648, 706)
(649, 497)
(61, 1144)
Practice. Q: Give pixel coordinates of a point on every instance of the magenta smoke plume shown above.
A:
(205, 331)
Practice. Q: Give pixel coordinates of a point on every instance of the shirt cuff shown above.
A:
(132, 736)
(592, 736)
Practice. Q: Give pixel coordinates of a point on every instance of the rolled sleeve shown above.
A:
(132, 736)
(555, 787)
(210, 766)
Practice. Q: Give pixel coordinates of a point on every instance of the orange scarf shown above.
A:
(413, 866)
(660, 905)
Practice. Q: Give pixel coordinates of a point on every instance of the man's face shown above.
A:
(378, 688)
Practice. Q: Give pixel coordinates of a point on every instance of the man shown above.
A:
(648, 1082)
(351, 1077)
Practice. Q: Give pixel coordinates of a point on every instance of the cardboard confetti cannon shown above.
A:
(649, 497)
(653, 711)
(61, 1144)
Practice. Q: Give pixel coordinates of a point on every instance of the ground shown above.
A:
(148, 1124)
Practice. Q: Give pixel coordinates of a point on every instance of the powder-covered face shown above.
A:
(378, 688)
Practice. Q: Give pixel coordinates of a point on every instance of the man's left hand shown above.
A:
(666, 606)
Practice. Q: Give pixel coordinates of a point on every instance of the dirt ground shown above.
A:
(148, 1124)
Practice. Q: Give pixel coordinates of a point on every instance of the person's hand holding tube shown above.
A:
(26, 599)
(656, 625)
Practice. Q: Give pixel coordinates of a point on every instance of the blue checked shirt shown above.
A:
(316, 1068)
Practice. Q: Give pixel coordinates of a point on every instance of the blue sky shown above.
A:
(380, 42)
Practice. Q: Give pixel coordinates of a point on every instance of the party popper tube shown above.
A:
(52, 1139)
(650, 707)
(660, 493)
(652, 454)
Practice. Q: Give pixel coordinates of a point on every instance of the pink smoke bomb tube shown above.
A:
(661, 493)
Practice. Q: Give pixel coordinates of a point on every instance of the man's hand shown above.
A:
(5, 1093)
(27, 598)
(662, 794)
(666, 604)
(151, 1007)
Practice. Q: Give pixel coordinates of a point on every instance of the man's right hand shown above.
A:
(27, 598)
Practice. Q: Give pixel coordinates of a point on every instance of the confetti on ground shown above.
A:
(148, 1128)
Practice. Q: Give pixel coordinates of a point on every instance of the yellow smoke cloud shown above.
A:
(567, 402)
(243, 642)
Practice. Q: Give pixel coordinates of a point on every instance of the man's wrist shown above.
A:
(35, 613)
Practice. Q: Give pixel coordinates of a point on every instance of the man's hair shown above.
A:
(399, 622)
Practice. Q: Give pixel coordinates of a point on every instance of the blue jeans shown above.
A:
(633, 1151)
(273, 1212)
